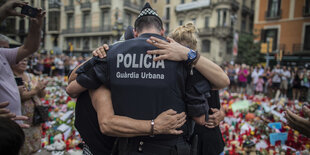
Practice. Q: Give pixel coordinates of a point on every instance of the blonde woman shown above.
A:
(30, 96)
(210, 139)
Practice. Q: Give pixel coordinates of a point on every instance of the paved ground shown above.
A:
(45, 152)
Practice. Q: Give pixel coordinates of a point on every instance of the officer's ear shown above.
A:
(135, 33)
(162, 32)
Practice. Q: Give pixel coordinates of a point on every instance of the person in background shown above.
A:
(242, 77)
(276, 79)
(9, 92)
(255, 76)
(267, 80)
(231, 72)
(259, 85)
(59, 64)
(30, 97)
(285, 75)
(297, 84)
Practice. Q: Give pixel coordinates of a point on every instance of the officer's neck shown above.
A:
(154, 31)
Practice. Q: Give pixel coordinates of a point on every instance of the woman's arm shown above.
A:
(176, 52)
(121, 126)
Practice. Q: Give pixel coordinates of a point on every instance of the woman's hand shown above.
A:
(170, 50)
(101, 51)
(168, 122)
(40, 86)
(215, 118)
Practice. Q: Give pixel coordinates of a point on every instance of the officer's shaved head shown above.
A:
(148, 22)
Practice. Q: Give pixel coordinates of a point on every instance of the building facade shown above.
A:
(216, 21)
(87, 24)
(287, 22)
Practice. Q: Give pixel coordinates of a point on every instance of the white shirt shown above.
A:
(255, 75)
(276, 75)
(285, 75)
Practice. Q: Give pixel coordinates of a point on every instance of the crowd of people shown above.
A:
(53, 65)
(283, 81)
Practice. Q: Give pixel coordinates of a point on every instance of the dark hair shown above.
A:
(148, 21)
(12, 137)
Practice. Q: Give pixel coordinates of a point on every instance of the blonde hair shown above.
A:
(185, 35)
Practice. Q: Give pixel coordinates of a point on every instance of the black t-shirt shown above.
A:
(86, 122)
(210, 140)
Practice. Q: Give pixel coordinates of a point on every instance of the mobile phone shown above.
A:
(19, 81)
(29, 11)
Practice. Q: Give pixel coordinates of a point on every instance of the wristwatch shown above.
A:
(191, 56)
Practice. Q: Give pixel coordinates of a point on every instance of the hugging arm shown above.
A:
(113, 125)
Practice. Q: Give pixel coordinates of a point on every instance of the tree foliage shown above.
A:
(248, 51)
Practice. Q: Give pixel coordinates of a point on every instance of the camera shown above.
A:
(29, 11)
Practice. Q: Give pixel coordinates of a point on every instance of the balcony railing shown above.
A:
(306, 11)
(106, 28)
(247, 10)
(53, 6)
(192, 6)
(300, 49)
(104, 3)
(135, 7)
(222, 31)
(86, 6)
(69, 8)
(271, 15)
(10, 31)
(207, 31)
(234, 3)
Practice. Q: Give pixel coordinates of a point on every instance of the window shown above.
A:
(94, 42)
(43, 4)
(168, 13)
(128, 19)
(71, 2)
(11, 23)
(194, 21)
(181, 22)
(218, 17)
(307, 8)
(307, 38)
(104, 40)
(274, 8)
(252, 4)
(182, 1)
(224, 18)
(167, 28)
(86, 20)
(53, 20)
(78, 43)
(85, 43)
(207, 22)
(70, 21)
(243, 23)
(22, 26)
(270, 33)
(167, 1)
(206, 46)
